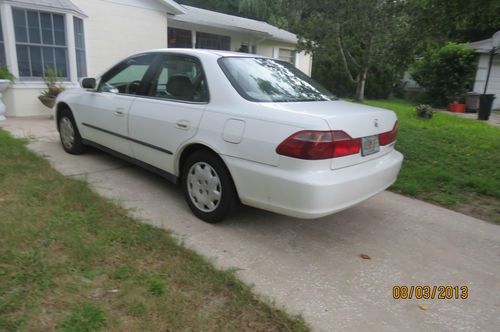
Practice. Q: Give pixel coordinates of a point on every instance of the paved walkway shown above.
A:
(314, 267)
(494, 117)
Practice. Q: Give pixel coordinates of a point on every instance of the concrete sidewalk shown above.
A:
(494, 117)
(314, 268)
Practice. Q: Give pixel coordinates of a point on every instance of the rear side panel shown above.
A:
(248, 136)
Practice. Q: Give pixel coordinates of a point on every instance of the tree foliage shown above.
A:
(440, 21)
(447, 73)
(359, 38)
(364, 47)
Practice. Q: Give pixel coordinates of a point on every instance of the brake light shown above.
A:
(318, 145)
(390, 136)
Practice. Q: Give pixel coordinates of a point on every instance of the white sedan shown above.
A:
(233, 128)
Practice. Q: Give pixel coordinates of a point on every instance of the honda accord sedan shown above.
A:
(234, 128)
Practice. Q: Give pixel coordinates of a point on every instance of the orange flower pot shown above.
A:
(456, 108)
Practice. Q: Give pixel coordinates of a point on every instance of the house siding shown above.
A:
(128, 30)
(494, 82)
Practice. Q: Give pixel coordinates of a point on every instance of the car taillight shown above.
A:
(317, 145)
(390, 136)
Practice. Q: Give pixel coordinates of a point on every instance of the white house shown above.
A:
(85, 37)
(483, 49)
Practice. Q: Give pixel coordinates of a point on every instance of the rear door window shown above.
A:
(180, 78)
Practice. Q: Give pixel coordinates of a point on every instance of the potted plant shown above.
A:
(6, 78)
(456, 105)
(54, 88)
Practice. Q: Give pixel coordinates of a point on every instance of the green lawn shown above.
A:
(450, 161)
(73, 261)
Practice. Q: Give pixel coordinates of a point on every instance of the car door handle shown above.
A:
(118, 112)
(183, 125)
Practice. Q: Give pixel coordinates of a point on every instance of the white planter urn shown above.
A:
(4, 84)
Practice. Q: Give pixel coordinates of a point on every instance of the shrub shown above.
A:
(424, 111)
(447, 73)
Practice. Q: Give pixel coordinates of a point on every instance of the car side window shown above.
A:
(127, 76)
(180, 78)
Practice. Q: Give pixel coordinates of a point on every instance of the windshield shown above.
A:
(269, 80)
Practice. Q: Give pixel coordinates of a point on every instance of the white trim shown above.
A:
(168, 5)
(43, 8)
(70, 42)
(310, 64)
(193, 38)
(276, 52)
(40, 85)
(85, 34)
(9, 38)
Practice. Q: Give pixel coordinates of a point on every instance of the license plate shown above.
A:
(369, 145)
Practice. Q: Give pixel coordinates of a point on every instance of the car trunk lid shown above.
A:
(357, 120)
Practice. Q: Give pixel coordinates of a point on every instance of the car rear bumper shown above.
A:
(316, 193)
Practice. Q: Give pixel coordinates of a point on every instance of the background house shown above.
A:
(483, 49)
(85, 37)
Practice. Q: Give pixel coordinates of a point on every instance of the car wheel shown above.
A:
(69, 134)
(208, 187)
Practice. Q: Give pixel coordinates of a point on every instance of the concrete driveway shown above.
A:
(314, 268)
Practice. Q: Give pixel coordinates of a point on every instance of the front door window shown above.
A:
(127, 76)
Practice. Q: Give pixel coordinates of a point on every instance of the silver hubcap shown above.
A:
(67, 132)
(204, 187)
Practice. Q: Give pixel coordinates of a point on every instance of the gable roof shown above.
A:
(235, 23)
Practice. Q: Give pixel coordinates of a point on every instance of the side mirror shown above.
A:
(89, 83)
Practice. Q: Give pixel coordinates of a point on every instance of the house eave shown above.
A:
(47, 7)
(230, 28)
(173, 7)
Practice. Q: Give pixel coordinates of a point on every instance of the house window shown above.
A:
(247, 48)
(179, 38)
(40, 43)
(244, 48)
(3, 62)
(287, 55)
(212, 42)
(81, 64)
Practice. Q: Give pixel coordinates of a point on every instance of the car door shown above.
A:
(104, 113)
(170, 113)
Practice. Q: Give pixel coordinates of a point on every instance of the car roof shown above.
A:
(197, 51)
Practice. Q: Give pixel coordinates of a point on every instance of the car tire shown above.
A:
(208, 187)
(68, 133)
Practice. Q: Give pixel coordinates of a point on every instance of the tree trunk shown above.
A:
(360, 84)
(361, 81)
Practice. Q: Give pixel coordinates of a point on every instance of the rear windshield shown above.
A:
(269, 80)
